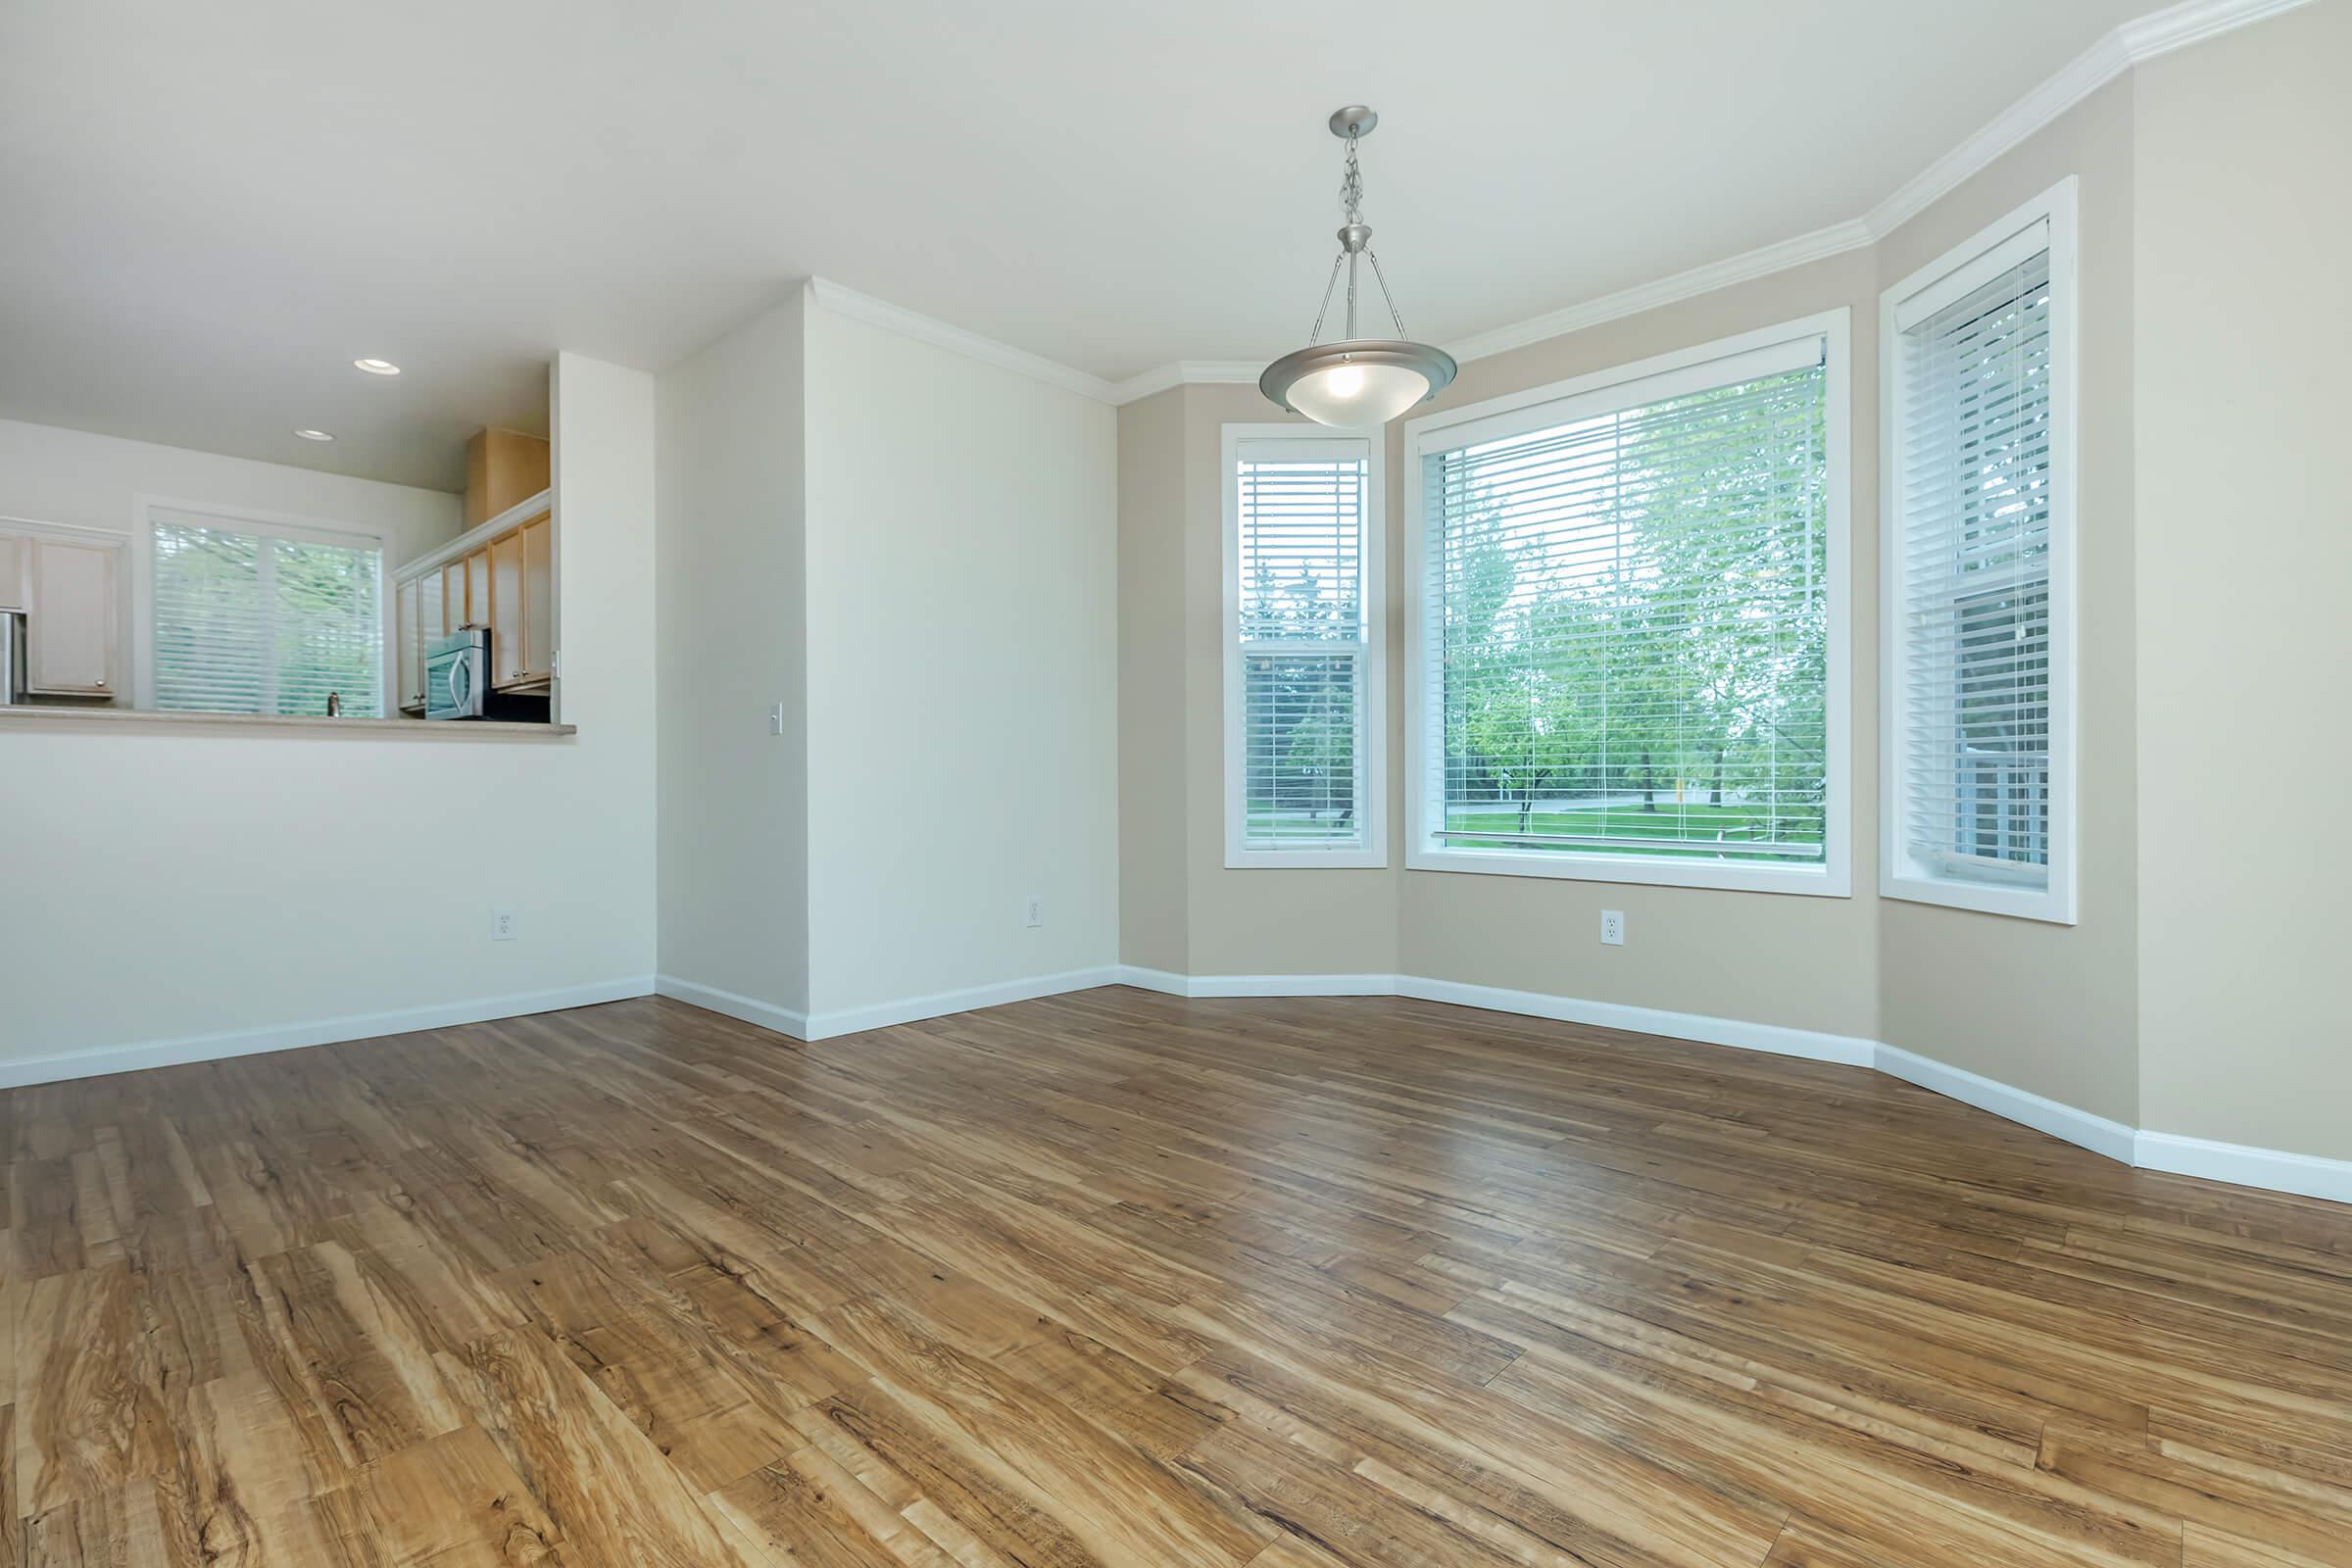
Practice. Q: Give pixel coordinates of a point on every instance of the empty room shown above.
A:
(1042, 784)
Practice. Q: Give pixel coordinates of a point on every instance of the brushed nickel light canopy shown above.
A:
(1355, 380)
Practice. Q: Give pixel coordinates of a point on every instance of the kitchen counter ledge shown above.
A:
(38, 716)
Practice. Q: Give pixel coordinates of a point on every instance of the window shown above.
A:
(252, 617)
(1978, 619)
(1304, 680)
(1629, 659)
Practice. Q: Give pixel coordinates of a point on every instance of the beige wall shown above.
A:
(1793, 961)
(2059, 1015)
(1181, 909)
(1801, 962)
(2244, 335)
(2213, 328)
(1153, 840)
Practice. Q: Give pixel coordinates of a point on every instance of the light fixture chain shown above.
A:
(1351, 188)
(1314, 334)
(1382, 278)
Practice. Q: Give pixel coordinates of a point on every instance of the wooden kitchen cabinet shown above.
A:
(12, 571)
(506, 609)
(71, 621)
(478, 588)
(503, 468)
(538, 658)
(502, 579)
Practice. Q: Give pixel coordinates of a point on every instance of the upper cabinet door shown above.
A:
(506, 609)
(12, 571)
(478, 588)
(538, 599)
(453, 595)
(69, 625)
(406, 634)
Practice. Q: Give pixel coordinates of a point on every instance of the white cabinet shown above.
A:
(12, 571)
(70, 628)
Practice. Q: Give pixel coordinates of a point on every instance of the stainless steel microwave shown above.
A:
(457, 673)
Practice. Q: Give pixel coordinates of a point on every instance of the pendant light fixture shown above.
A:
(1355, 380)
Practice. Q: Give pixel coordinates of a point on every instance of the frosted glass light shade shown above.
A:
(1360, 382)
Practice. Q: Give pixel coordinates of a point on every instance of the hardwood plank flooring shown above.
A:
(1116, 1278)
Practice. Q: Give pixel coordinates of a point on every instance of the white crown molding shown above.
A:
(834, 297)
(2193, 21)
(1776, 258)
(1188, 372)
(2122, 47)
(2116, 52)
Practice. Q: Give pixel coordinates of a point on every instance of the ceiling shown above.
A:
(207, 211)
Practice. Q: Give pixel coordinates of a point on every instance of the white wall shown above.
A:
(168, 885)
(54, 475)
(730, 646)
(963, 671)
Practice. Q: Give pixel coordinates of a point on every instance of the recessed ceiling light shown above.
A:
(314, 435)
(378, 366)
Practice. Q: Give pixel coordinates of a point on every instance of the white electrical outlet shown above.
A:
(502, 926)
(1612, 928)
(775, 719)
(1034, 911)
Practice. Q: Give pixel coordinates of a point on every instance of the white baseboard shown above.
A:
(750, 1009)
(100, 1060)
(2243, 1166)
(1164, 980)
(2060, 1120)
(1256, 985)
(2269, 1170)
(1810, 1044)
(910, 1009)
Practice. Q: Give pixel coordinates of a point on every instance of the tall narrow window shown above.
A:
(1630, 632)
(1978, 622)
(262, 619)
(1303, 676)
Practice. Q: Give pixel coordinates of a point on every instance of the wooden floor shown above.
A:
(1116, 1278)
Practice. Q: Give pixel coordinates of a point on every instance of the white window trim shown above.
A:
(1424, 785)
(1897, 879)
(146, 511)
(1372, 749)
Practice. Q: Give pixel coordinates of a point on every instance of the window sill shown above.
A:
(2021, 903)
(1822, 882)
(35, 715)
(1305, 859)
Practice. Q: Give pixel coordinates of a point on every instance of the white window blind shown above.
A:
(1974, 482)
(261, 622)
(1297, 721)
(1629, 632)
